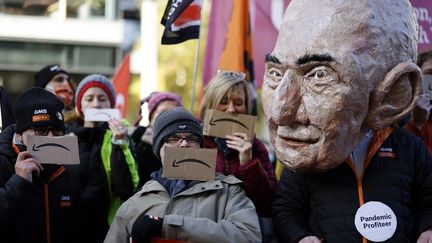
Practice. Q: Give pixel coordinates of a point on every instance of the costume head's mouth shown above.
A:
(298, 135)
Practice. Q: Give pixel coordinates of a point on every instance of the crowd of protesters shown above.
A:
(118, 160)
(329, 121)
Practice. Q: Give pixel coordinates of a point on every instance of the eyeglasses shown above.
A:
(239, 75)
(177, 139)
(43, 131)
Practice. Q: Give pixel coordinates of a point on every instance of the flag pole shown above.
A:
(195, 70)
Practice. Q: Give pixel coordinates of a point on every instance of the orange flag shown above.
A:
(237, 54)
(121, 84)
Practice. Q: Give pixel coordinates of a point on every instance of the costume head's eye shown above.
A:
(318, 74)
(274, 75)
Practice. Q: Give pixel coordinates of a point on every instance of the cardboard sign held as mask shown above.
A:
(219, 124)
(189, 163)
(101, 114)
(61, 150)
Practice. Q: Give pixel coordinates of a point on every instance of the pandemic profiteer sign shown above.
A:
(375, 221)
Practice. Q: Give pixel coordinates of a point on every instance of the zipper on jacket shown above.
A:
(374, 145)
(58, 172)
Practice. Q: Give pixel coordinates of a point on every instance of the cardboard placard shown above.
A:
(101, 114)
(219, 124)
(427, 85)
(189, 163)
(62, 150)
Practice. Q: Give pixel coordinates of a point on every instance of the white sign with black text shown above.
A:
(375, 221)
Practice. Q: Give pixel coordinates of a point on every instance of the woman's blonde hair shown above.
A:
(223, 83)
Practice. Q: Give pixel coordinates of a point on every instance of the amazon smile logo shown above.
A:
(176, 163)
(214, 121)
(103, 114)
(37, 148)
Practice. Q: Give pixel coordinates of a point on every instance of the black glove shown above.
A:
(146, 227)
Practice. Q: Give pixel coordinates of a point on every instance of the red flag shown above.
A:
(121, 84)
(182, 20)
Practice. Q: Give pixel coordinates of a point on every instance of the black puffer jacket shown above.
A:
(23, 207)
(147, 160)
(5, 109)
(324, 205)
(96, 207)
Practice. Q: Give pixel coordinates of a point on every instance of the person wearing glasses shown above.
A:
(38, 202)
(105, 145)
(186, 210)
(244, 157)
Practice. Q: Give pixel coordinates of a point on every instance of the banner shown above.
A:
(220, 14)
(423, 10)
(261, 29)
(182, 20)
(266, 17)
(121, 84)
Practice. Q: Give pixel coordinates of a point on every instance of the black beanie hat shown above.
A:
(38, 107)
(167, 123)
(47, 73)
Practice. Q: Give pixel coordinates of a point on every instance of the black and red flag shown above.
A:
(182, 20)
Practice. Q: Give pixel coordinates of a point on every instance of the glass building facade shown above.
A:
(84, 36)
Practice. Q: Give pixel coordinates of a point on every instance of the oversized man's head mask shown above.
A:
(338, 69)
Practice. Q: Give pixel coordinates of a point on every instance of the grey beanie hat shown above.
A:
(173, 121)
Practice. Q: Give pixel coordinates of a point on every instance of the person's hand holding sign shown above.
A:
(26, 165)
(240, 142)
(118, 128)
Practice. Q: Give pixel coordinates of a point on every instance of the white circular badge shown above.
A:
(375, 221)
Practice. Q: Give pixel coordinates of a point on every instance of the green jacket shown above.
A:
(106, 154)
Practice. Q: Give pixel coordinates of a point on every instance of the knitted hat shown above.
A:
(36, 108)
(157, 97)
(94, 81)
(46, 74)
(173, 121)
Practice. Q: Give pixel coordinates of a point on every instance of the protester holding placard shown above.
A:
(38, 202)
(335, 85)
(240, 155)
(185, 210)
(106, 145)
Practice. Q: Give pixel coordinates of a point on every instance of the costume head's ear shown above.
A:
(395, 96)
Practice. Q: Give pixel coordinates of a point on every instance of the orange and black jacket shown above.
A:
(398, 173)
(47, 210)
